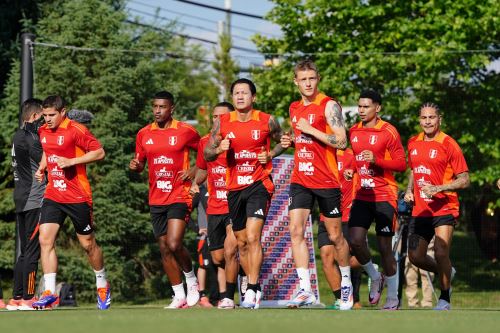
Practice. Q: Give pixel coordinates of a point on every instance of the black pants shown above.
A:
(27, 262)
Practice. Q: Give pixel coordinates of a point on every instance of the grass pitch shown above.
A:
(155, 319)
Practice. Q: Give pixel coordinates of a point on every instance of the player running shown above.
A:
(245, 137)
(318, 130)
(67, 147)
(438, 169)
(378, 153)
(165, 146)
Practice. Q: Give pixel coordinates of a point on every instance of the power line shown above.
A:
(370, 53)
(236, 27)
(227, 11)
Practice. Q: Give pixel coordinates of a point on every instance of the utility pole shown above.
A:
(227, 6)
(26, 69)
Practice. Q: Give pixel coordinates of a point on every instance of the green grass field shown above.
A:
(149, 319)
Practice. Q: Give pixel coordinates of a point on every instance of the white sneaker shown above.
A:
(249, 299)
(193, 294)
(442, 305)
(226, 303)
(376, 287)
(391, 304)
(346, 298)
(302, 298)
(177, 303)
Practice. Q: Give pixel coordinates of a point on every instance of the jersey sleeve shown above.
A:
(140, 152)
(200, 159)
(397, 162)
(85, 140)
(456, 158)
(194, 139)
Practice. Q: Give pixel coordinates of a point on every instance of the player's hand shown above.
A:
(203, 231)
(348, 174)
(225, 144)
(304, 126)
(40, 175)
(64, 162)
(286, 140)
(409, 198)
(430, 190)
(368, 156)
(184, 175)
(195, 188)
(264, 156)
(135, 165)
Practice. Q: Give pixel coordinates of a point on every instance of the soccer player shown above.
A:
(318, 130)
(67, 148)
(244, 135)
(378, 153)
(438, 169)
(165, 146)
(348, 183)
(221, 239)
(28, 195)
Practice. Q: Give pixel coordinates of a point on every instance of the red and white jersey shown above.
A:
(248, 139)
(216, 180)
(345, 160)
(69, 140)
(315, 163)
(377, 181)
(167, 152)
(435, 162)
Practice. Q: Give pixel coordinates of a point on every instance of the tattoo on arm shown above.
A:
(462, 181)
(333, 114)
(275, 129)
(409, 188)
(210, 153)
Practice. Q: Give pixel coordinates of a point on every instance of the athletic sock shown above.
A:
(371, 270)
(190, 278)
(304, 280)
(222, 295)
(203, 293)
(49, 281)
(241, 271)
(253, 287)
(392, 286)
(337, 294)
(445, 295)
(345, 272)
(179, 291)
(230, 289)
(100, 278)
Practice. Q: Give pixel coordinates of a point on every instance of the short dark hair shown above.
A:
(305, 65)
(226, 105)
(430, 105)
(29, 107)
(371, 94)
(54, 101)
(253, 89)
(165, 95)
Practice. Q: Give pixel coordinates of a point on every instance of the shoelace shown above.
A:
(345, 292)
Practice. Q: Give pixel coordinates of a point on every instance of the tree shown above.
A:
(117, 87)
(224, 66)
(412, 52)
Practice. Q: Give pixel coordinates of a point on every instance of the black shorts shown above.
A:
(79, 213)
(324, 240)
(252, 201)
(328, 199)
(217, 231)
(424, 226)
(161, 214)
(384, 213)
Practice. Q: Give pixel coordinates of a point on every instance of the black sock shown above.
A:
(241, 272)
(230, 289)
(203, 293)
(445, 295)
(222, 294)
(337, 294)
(253, 287)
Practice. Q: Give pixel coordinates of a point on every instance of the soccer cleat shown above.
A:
(104, 297)
(226, 303)
(177, 303)
(2, 304)
(249, 299)
(302, 298)
(443, 305)
(346, 298)
(391, 304)
(13, 304)
(46, 301)
(193, 294)
(243, 285)
(335, 305)
(27, 305)
(204, 302)
(258, 295)
(376, 287)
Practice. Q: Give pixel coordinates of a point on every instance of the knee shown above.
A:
(230, 251)
(337, 238)
(174, 245)
(253, 239)
(90, 247)
(328, 262)
(45, 242)
(357, 243)
(296, 232)
(414, 257)
(218, 259)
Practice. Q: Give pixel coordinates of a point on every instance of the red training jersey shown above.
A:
(315, 163)
(377, 181)
(248, 139)
(70, 139)
(345, 160)
(216, 180)
(435, 162)
(166, 151)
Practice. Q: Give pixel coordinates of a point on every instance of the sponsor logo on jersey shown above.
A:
(433, 153)
(221, 182)
(218, 170)
(364, 171)
(310, 118)
(221, 195)
(245, 154)
(340, 166)
(52, 158)
(373, 139)
(231, 135)
(163, 172)
(256, 134)
(359, 157)
(44, 140)
(163, 160)
(150, 142)
(304, 153)
(355, 139)
(60, 140)
(172, 140)
(245, 167)
(59, 184)
(164, 185)
(244, 180)
(56, 172)
(414, 152)
(422, 169)
(303, 139)
(421, 182)
(307, 168)
(367, 183)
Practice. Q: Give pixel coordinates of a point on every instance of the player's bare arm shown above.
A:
(89, 157)
(213, 147)
(333, 114)
(462, 181)
(409, 198)
(199, 178)
(40, 172)
(276, 134)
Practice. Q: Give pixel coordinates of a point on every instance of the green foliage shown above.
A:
(224, 65)
(117, 87)
(411, 51)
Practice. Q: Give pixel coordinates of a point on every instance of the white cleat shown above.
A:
(391, 304)
(302, 298)
(249, 299)
(346, 298)
(177, 303)
(226, 303)
(376, 287)
(193, 294)
(443, 305)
